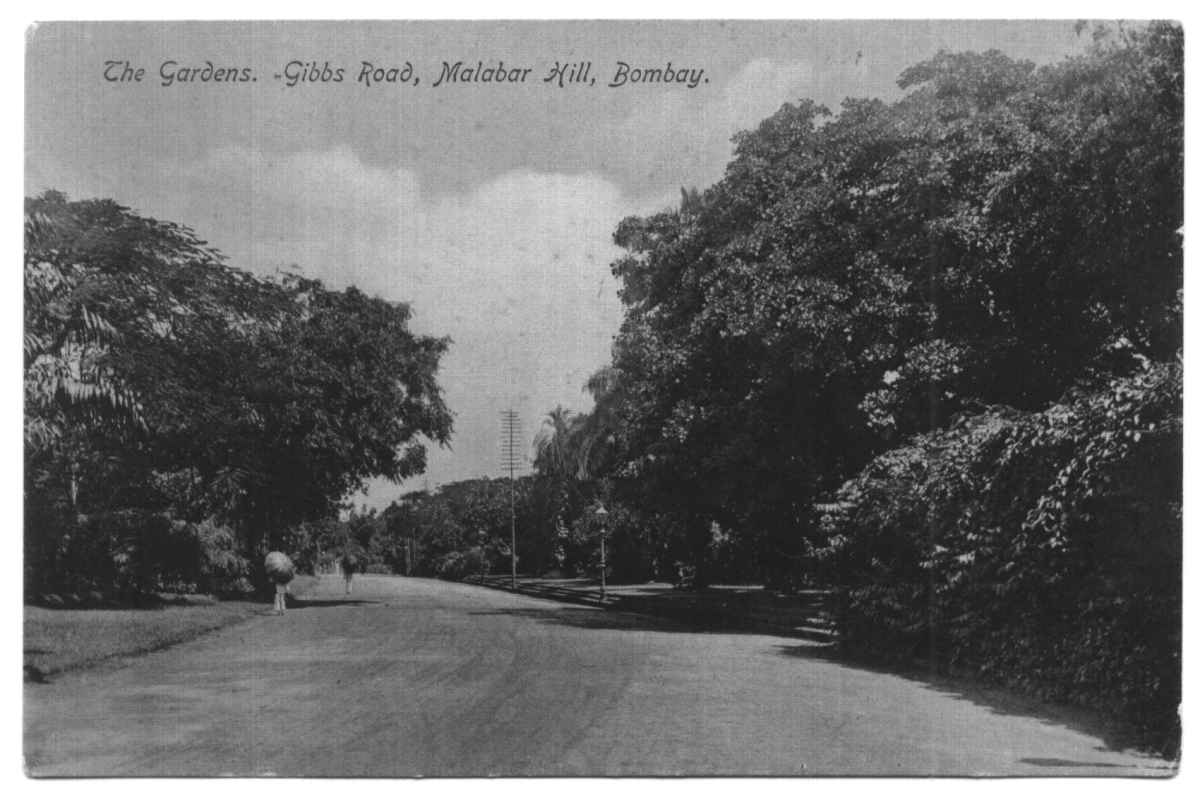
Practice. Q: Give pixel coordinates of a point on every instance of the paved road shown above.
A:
(419, 677)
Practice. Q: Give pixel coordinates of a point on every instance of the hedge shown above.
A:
(1042, 550)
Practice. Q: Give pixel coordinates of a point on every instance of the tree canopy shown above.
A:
(160, 378)
(993, 237)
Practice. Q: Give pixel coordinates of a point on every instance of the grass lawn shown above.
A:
(64, 639)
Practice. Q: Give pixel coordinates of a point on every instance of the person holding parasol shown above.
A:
(281, 571)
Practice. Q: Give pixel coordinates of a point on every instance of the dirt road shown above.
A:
(416, 677)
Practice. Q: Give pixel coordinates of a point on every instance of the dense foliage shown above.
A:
(465, 528)
(1042, 549)
(164, 386)
(855, 279)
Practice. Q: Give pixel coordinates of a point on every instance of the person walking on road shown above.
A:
(349, 567)
(281, 571)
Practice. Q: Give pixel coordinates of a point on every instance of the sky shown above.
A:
(489, 208)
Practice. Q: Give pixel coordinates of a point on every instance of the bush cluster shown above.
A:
(1042, 550)
(129, 553)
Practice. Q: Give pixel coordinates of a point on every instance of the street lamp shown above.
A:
(602, 513)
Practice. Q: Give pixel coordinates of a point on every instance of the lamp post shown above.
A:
(602, 513)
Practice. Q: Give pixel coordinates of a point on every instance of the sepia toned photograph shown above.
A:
(625, 398)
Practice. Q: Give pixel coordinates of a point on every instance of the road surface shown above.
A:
(417, 677)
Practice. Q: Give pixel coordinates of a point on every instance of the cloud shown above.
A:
(516, 271)
(678, 141)
(758, 90)
(335, 178)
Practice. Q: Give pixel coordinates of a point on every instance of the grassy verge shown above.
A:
(68, 639)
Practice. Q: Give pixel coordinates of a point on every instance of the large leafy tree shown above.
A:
(300, 414)
(990, 238)
(100, 279)
(160, 378)
(104, 286)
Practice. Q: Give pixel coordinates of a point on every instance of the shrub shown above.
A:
(135, 552)
(1040, 549)
(460, 564)
(223, 568)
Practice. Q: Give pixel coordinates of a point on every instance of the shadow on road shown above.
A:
(317, 603)
(995, 699)
(35, 675)
(585, 618)
(1066, 763)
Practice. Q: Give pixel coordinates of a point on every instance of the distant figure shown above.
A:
(281, 571)
(349, 566)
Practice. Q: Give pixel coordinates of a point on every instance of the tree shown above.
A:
(338, 392)
(855, 279)
(599, 434)
(160, 378)
(98, 276)
(552, 446)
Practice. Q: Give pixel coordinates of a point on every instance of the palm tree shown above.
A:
(596, 435)
(555, 459)
(552, 445)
